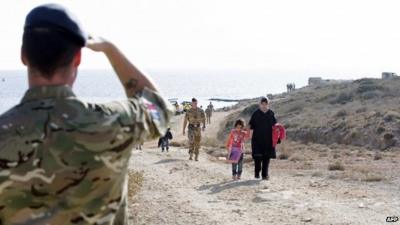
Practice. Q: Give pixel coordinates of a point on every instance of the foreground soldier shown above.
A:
(195, 117)
(63, 160)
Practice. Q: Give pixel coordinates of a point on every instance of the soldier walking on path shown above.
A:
(208, 115)
(194, 117)
(209, 111)
(64, 160)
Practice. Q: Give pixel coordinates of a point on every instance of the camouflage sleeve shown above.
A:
(148, 114)
(203, 118)
(187, 116)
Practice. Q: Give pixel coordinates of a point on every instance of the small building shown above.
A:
(313, 81)
(388, 75)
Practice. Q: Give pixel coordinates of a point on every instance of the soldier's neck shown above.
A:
(60, 77)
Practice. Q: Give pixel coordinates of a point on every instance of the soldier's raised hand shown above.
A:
(98, 44)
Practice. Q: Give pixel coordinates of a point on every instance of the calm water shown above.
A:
(103, 85)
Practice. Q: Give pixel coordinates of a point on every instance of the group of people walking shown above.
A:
(263, 130)
(64, 160)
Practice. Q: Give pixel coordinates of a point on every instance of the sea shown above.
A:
(177, 85)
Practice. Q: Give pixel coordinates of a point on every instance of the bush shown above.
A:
(361, 110)
(248, 111)
(176, 144)
(368, 86)
(341, 113)
(323, 154)
(295, 108)
(342, 98)
(380, 130)
(210, 142)
(377, 156)
(391, 116)
(373, 177)
(283, 156)
(336, 166)
(326, 97)
(371, 94)
(388, 136)
(295, 158)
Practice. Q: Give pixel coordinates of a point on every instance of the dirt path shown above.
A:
(178, 191)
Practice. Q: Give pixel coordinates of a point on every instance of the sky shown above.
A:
(338, 39)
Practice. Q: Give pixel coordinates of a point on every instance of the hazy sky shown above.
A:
(336, 39)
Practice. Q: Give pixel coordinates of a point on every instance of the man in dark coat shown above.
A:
(261, 123)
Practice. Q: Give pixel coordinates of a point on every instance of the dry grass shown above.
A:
(373, 177)
(284, 152)
(210, 142)
(296, 158)
(336, 166)
(323, 155)
(378, 156)
(306, 166)
(348, 153)
(360, 154)
(135, 183)
(283, 156)
(176, 144)
(317, 174)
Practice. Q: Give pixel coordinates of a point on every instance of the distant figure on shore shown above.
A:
(290, 87)
(235, 147)
(163, 142)
(211, 106)
(261, 123)
(195, 117)
(209, 112)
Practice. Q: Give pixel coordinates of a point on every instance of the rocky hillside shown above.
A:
(364, 113)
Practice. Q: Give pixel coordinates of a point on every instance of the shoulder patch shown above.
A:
(152, 109)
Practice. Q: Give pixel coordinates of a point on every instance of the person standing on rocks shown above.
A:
(195, 117)
(261, 123)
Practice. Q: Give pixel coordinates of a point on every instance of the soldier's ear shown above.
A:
(23, 58)
(77, 58)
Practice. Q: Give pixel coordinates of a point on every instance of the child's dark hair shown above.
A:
(239, 122)
(264, 100)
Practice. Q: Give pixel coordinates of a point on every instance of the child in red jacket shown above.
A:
(235, 147)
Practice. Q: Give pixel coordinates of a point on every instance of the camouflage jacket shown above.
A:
(195, 116)
(64, 161)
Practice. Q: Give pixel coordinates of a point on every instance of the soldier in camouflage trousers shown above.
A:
(193, 120)
(64, 161)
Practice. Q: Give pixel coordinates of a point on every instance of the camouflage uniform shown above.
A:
(65, 161)
(208, 114)
(195, 117)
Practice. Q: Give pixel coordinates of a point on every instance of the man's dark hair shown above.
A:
(264, 100)
(48, 50)
(194, 100)
(239, 122)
